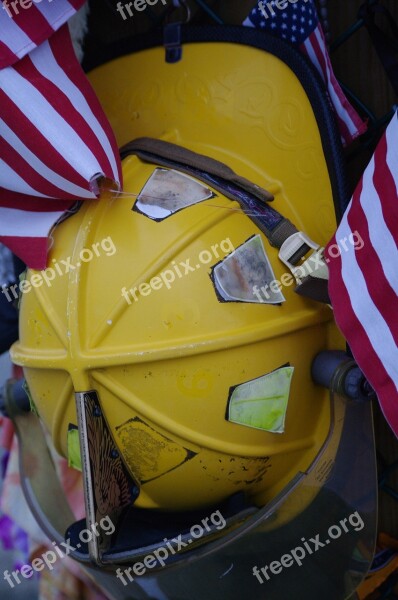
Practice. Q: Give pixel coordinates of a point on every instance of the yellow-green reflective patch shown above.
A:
(262, 402)
(74, 457)
(31, 401)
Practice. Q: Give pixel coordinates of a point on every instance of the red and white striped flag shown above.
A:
(363, 281)
(299, 25)
(23, 29)
(55, 141)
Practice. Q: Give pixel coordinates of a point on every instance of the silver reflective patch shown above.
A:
(168, 191)
(245, 273)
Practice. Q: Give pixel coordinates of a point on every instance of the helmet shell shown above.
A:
(165, 364)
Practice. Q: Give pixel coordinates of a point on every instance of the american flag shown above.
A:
(55, 141)
(23, 29)
(299, 25)
(363, 281)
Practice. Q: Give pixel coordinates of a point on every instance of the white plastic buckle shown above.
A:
(289, 249)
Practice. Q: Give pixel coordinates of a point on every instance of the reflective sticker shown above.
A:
(238, 470)
(246, 275)
(168, 191)
(262, 402)
(32, 404)
(74, 457)
(148, 453)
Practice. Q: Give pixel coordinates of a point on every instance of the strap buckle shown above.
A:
(293, 249)
(172, 32)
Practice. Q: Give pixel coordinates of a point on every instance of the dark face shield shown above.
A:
(283, 553)
(316, 539)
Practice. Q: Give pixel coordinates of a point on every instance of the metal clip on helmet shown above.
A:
(177, 345)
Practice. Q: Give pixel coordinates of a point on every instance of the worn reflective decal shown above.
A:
(262, 402)
(241, 276)
(74, 456)
(168, 191)
(148, 453)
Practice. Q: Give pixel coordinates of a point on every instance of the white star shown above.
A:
(294, 17)
(284, 15)
(273, 25)
(294, 28)
(262, 23)
(302, 30)
(293, 38)
(284, 26)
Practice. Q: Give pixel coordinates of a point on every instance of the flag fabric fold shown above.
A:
(363, 281)
(55, 141)
(299, 25)
(22, 29)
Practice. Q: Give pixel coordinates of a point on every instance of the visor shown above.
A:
(316, 539)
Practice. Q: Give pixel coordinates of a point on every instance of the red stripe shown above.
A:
(360, 125)
(64, 107)
(36, 26)
(362, 350)
(31, 250)
(6, 56)
(30, 203)
(386, 188)
(320, 53)
(77, 3)
(33, 24)
(345, 105)
(65, 56)
(379, 288)
(36, 142)
(29, 175)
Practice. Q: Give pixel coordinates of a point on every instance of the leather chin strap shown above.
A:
(251, 197)
(175, 156)
(293, 244)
